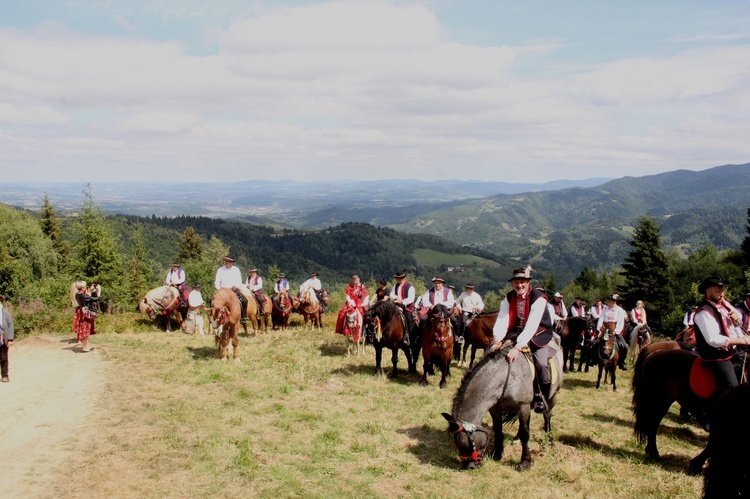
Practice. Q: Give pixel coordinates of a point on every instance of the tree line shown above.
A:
(42, 253)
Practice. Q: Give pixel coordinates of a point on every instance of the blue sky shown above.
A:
(236, 90)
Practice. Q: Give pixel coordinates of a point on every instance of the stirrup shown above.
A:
(460, 340)
(540, 405)
(243, 320)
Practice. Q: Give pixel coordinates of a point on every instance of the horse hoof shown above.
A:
(523, 466)
(695, 468)
(442, 384)
(423, 383)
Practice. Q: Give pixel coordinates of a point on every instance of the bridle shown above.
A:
(470, 428)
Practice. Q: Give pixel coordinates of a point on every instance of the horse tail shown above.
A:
(640, 400)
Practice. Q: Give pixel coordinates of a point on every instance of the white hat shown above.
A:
(558, 295)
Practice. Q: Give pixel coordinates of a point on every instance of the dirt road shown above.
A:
(52, 392)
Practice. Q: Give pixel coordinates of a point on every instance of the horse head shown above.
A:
(471, 441)
(441, 325)
(324, 296)
(145, 308)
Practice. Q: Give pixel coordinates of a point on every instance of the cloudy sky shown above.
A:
(221, 90)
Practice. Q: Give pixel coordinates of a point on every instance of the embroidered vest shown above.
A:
(705, 350)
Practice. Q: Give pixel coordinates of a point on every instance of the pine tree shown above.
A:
(52, 228)
(645, 273)
(191, 246)
(98, 253)
(140, 271)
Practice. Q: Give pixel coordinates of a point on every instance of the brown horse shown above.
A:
(478, 334)
(606, 354)
(576, 333)
(437, 344)
(262, 319)
(282, 308)
(164, 301)
(225, 315)
(387, 324)
(309, 308)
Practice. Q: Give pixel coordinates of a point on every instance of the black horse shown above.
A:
(576, 333)
(727, 473)
(386, 324)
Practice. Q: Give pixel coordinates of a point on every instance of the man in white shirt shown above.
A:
(403, 295)
(176, 277)
(313, 282)
(468, 304)
(579, 308)
(255, 284)
(559, 305)
(596, 309)
(612, 312)
(438, 294)
(281, 284)
(230, 277)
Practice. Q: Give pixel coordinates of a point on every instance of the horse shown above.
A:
(309, 308)
(576, 333)
(640, 337)
(437, 344)
(282, 308)
(353, 332)
(478, 334)
(387, 323)
(661, 377)
(225, 316)
(505, 390)
(267, 309)
(164, 301)
(606, 355)
(727, 474)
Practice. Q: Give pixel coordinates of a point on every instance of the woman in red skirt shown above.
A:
(83, 319)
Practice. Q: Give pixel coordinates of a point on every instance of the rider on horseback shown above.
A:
(468, 304)
(525, 317)
(613, 313)
(717, 331)
(255, 284)
(176, 277)
(230, 277)
(403, 295)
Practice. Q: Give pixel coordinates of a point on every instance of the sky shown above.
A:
(224, 90)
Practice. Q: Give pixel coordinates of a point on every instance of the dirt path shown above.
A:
(53, 388)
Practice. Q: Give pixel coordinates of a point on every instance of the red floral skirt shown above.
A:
(83, 323)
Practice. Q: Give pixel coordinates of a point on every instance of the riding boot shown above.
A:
(546, 387)
(623, 355)
(540, 404)
(407, 340)
(243, 308)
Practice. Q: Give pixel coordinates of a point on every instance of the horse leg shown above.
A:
(236, 345)
(656, 412)
(378, 357)
(524, 418)
(394, 361)
(497, 427)
(445, 370)
(599, 378)
(473, 356)
(412, 356)
(425, 369)
(696, 464)
(613, 371)
(224, 345)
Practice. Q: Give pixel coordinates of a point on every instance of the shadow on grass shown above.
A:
(668, 462)
(579, 383)
(332, 349)
(402, 378)
(681, 433)
(434, 447)
(203, 352)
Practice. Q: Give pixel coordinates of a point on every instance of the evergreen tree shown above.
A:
(587, 279)
(97, 250)
(191, 246)
(140, 272)
(645, 273)
(746, 242)
(52, 228)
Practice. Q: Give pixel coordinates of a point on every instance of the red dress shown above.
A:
(83, 320)
(357, 295)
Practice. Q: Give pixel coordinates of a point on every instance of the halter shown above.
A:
(470, 428)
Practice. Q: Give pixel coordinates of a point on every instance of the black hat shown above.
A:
(469, 285)
(437, 278)
(451, 286)
(314, 273)
(521, 273)
(253, 270)
(399, 274)
(598, 299)
(228, 259)
(747, 294)
(710, 282)
(196, 285)
(613, 297)
(383, 282)
(175, 264)
(282, 276)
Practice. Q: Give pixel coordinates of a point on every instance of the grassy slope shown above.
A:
(298, 418)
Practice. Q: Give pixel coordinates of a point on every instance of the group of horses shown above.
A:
(225, 312)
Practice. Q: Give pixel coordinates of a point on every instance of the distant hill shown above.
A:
(567, 229)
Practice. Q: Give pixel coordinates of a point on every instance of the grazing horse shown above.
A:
(353, 332)
(282, 308)
(309, 308)
(505, 390)
(606, 355)
(387, 324)
(727, 473)
(661, 377)
(164, 301)
(225, 316)
(576, 333)
(437, 344)
(478, 334)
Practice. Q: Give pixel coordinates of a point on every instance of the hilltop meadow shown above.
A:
(296, 417)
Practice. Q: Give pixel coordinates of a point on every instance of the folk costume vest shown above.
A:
(402, 291)
(706, 351)
(444, 294)
(518, 311)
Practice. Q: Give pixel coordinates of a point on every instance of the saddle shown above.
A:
(702, 380)
(552, 361)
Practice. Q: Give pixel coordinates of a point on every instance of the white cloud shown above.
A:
(310, 91)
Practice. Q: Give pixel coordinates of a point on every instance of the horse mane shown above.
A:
(458, 400)
(382, 309)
